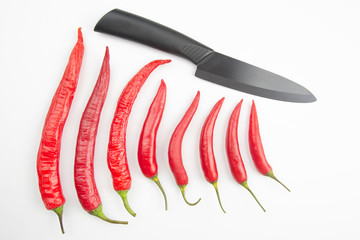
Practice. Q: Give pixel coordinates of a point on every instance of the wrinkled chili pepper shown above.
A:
(207, 156)
(233, 151)
(256, 147)
(116, 156)
(174, 152)
(147, 141)
(49, 150)
(84, 159)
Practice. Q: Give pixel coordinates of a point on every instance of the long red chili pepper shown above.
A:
(207, 156)
(116, 157)
(49, 150)
(256, 147)
(174, 152)
(84, 159)
(233, 151)
(147, 141)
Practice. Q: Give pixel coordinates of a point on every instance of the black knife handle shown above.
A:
(136, 28)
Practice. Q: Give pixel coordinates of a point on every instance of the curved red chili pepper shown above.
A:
(147, 141)
(116, 157)
(174, 152)
(207, 156)
(256, 147)
(49, 150)
(233, 151)
(84, 159)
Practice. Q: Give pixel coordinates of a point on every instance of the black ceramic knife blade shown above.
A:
(211, 66)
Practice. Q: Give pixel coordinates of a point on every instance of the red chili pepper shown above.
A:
(84, 159)
(49, 150)
(147, 141)
(207, 156)
(175, 156)
(117, 160)
(256, 147)
(233, 152)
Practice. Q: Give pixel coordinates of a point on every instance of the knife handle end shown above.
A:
(126, 25)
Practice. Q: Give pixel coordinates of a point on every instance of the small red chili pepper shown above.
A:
(174, 152)
(147, 141)
(233, 151)
(116, 157)
(49, 150)
(84, 159)
(256, 147)
(207, 156)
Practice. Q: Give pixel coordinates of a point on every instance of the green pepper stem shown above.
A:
(217, 193)
(245, 185)
(99, 213)
(59, 212)
(271, 175)
(156, 180)
(123, 195)
(182, 188)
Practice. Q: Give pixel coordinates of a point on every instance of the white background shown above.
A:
(313, 148)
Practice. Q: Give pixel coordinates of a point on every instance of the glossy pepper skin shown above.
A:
(256, 147)
(147, 141)
(116, 155)
(49, 150)
(175, 146)
(236, 163)
(207, 156)
(85, 148)
(232, 146)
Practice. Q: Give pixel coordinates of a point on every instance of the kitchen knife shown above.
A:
(211, 66)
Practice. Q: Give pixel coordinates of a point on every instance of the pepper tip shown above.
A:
(80, 36)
